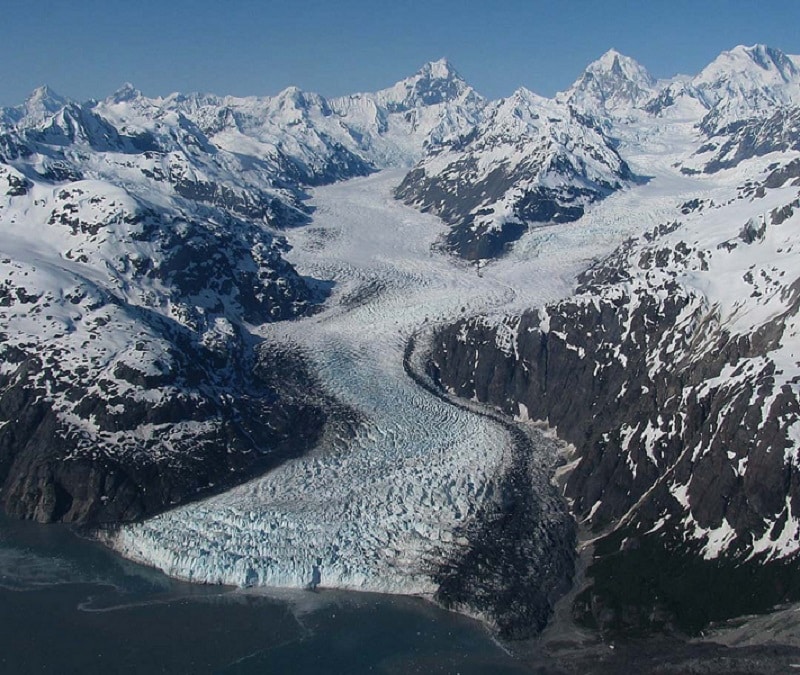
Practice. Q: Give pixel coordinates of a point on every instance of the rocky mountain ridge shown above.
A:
(674, 373)
(532, 162)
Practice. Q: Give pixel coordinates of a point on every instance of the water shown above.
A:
(68, 605)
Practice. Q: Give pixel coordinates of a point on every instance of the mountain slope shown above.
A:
(135, 261)
(530, 161)
(674, 372)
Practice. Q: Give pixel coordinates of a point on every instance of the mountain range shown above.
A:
(145, 247)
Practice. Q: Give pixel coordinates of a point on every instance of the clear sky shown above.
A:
(88, 48)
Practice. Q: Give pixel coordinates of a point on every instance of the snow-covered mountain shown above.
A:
(612, 83)
(741, 102)
(397, 124)
(746, 82)
(674, 368)
(41, 104)
(740, 84)
(134, 263)
(755, 137)
(315, 140)
(531, 160)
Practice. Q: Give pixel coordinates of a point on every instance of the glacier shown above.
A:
(378, 512)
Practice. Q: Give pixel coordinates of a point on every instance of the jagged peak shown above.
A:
(298, 98)
(41, 104)
(439, 73)
(746, 82)
(194, 99)
(292, 97)
(749, 50)
(523, 108)
(297, 104)
(127, 92)
(291, 91)
(436, 82)
(614, 82)
(525, 95)
(611, 56)
(441, 69)
(46, 97)
(615, 63)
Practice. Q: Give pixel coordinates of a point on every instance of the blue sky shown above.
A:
(88, 48)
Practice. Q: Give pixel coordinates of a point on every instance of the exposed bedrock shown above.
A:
(130, 454)
(684, 465)
(517, 555)
(467, 208)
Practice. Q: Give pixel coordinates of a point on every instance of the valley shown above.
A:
(386, 509)
(260, 341)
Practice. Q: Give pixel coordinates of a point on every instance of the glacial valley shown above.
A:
(418, 342)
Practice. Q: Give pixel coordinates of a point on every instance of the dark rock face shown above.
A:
(460, 207)
(519, 560)
(482, 242)
(16, 184)
(429, 90)
(218, 424)
(466, 239)
(519, 555)
(781, 175)
(117, 410)
(754, 138)
(338, 165)
(242, 203)
(640, 585)
(680, 430)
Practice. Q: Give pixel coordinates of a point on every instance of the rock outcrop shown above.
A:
(673, 372)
